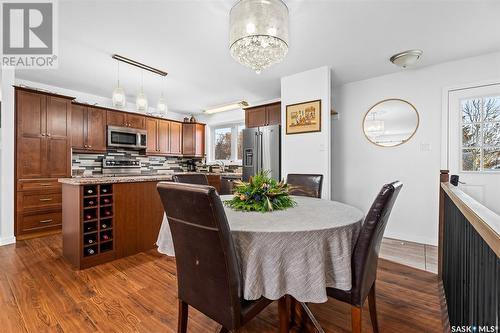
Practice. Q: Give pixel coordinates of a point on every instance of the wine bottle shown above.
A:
(106, 201)
(90, 191)
(104, 226)
(90, 203)
(105, 237)
(88, 217)
(90, 241)
(90, 251)
(104, 190)
(89, 228)
(107, 212)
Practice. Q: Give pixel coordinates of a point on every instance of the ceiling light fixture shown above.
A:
(258, 33)
(407, 58)
(162, 107)
(119, 99)
(227, 107)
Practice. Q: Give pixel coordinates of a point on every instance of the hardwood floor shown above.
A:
(421, 256)
(39, 292)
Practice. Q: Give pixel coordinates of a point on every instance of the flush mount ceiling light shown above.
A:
(407, 58)
(227, 107)
(258, 33)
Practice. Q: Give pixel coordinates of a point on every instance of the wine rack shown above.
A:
(97, 220)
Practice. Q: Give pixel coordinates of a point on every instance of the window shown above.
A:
(227, 142)
(480, 127)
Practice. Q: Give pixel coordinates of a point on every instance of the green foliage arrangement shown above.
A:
(261, 194)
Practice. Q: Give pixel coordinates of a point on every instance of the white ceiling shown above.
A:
(189, 40)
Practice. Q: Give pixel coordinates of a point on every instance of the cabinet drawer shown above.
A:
(40, 220)
(39, 200)
(38, 184)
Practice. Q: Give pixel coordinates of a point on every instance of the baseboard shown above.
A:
(7, 240)
(444, 307)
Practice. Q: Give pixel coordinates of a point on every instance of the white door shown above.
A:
(474, 142)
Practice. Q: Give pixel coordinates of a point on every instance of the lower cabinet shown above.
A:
(103, 222)
(38, 207)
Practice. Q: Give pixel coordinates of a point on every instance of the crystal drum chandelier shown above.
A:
(258, 33)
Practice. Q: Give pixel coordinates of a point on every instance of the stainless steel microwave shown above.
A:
(126, 137)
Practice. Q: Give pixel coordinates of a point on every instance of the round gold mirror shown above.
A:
(390, 122)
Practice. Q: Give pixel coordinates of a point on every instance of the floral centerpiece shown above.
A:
(261, 194)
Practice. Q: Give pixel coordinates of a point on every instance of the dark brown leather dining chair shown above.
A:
(365, 257)
(306, 185)
(208, 275)
(191, 178)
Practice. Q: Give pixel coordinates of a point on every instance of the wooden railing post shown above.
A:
(443, 178)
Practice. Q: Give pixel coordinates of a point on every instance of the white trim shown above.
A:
(7, 241)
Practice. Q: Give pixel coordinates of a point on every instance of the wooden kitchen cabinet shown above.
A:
(263, 115)
(193, 139)
(175, 138)
(164, 137)
(43, 154)
(88, 128)
(43, 139)
(125, 119)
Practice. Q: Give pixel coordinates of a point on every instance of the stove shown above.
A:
(120, 167)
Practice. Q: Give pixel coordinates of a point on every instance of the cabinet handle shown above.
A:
(85, 146)
(89, 146)
(46, 199)
(46, 221)
(45, 184)
(43, 134)
(48, 134)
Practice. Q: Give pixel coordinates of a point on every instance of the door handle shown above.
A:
(46, 221)
(46, 199)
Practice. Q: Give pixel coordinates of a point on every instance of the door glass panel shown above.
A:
(471, 159)
(491, 134)
(471, 110)
(492, 108)
(470, 135)
(491, 159)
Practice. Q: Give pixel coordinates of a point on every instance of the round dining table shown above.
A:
(299, 251)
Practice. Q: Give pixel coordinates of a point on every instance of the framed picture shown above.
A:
(303, 117)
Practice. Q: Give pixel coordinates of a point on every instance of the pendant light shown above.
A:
(162, 107)
(119, 99)
(258, 33)
(141, 101)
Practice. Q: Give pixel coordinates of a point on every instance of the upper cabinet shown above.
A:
(88, 128)
(193, 139)
(263, 115)
(43, 135)
(164, 137)
(124, 119)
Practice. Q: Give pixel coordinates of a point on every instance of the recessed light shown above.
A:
(407, 58)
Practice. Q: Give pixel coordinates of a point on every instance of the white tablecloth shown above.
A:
(299, 251)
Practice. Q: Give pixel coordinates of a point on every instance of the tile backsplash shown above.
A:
(84, 164)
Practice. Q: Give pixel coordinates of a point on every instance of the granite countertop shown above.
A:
(105, 179)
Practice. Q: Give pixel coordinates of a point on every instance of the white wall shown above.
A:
(7, 159)
(307, 152)
(361, 168)
(92, 99)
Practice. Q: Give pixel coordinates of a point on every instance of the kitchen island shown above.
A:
(106, 218)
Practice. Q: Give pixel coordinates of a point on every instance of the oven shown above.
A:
(126, 137)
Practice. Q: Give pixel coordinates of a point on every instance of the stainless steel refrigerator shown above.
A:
(262, 151)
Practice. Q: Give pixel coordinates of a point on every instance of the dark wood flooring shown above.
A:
(39, 292)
